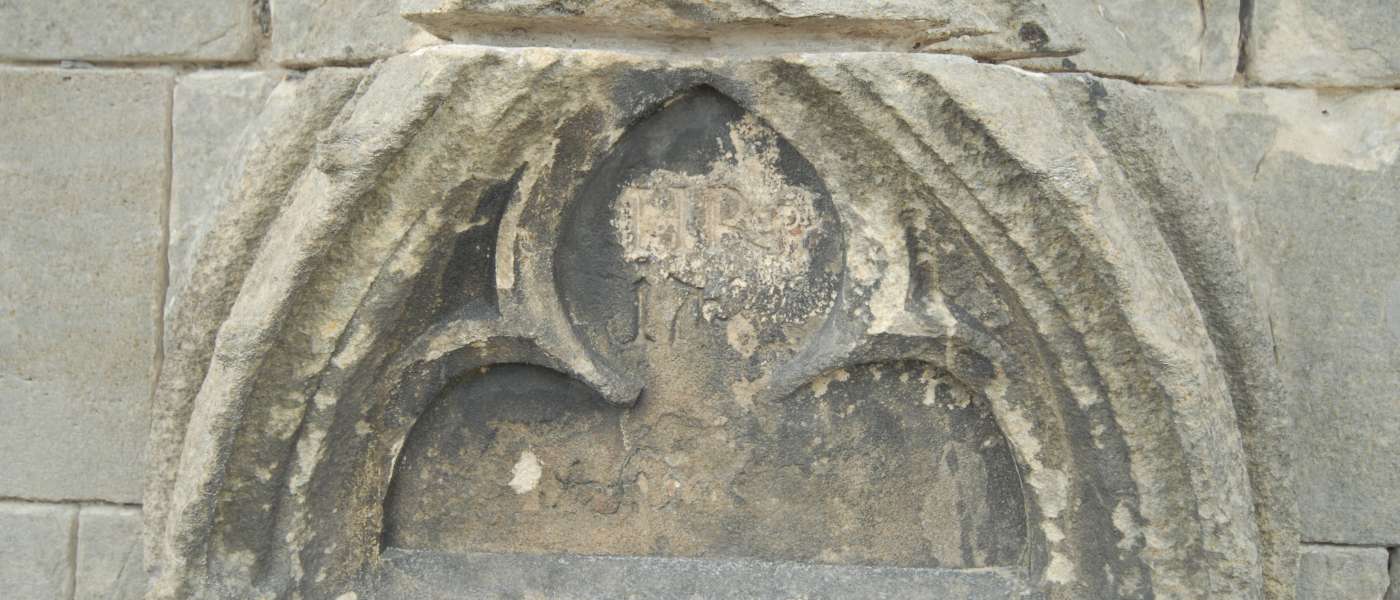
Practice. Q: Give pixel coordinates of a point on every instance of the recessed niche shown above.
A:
(881, 464)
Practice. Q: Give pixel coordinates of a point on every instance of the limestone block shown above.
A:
(36, 550)
(1144, 40)
(119, 30)
(1314, 187)
(1325, 43)
(1342, 573)
(690, 18)
(499, 576)
(84, 184)
(211, 113)
(1329, 208)
(311, 32)
(109, 554)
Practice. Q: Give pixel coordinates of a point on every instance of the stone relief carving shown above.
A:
(826, 309)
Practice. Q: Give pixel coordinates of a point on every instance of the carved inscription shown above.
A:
(740, 232)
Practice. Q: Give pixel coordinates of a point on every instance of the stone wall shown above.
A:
(123, 122)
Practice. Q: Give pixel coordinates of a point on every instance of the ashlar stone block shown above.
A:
(312, 32)
(120, 30)
(109, 563)
(1327, 196)
(1328, 43)
(1144, 40)
(80, 277)
(1342, 573)
(36, 550)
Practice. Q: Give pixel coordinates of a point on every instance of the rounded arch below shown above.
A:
(887, 464)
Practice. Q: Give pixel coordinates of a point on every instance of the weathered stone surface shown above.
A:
(212, 112)
(503, 576)
(1199, 167)
(109, 554)
(692, 14)
(119, 30)
(1140, 39)
(1309, 182)
(84, 184)
(312, 32)
(890, 464)
(726, 267)
(1143, 40)
(898, 24)
(1342, 573)
(1331, 218)
(274, 157)
(859, 460)
(1335, 43)
(36, 546)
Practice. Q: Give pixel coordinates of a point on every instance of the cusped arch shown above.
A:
(311, 339)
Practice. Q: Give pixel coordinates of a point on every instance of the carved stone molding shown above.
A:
(891, 311)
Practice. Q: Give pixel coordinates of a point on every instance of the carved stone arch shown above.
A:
(412, 240)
